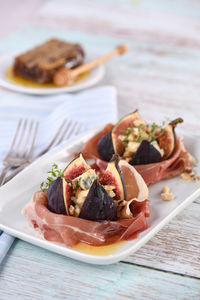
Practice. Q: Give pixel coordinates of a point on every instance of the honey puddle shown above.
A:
(28, 83)
(98, 250)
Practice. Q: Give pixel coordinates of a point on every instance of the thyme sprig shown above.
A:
(54, 173)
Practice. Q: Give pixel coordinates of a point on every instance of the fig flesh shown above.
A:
(146, 154)
(110, 144)
(74, 169)
(122, 125)
(98, 205)
(113, 176)
(167, 140)
(55, 197)
(126, 122)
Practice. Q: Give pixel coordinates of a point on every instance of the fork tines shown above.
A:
(24, 139)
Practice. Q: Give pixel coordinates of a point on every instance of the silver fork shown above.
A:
(66, 130)
(21, 147)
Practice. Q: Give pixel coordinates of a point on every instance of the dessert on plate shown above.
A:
(42, 62)
(155, 151)
(101, 197)
(83, 204)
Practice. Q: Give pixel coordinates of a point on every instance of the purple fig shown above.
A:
(55, 197)
(146, 154)
(98, 205)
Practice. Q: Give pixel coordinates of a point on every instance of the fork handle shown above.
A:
(3, 174)
(15, 172)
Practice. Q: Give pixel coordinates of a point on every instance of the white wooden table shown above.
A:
(161, 77)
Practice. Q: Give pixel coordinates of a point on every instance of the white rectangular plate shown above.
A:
(16, 193)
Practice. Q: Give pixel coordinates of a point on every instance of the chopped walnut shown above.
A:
(189, 175)
(165, 189)
(166, 195)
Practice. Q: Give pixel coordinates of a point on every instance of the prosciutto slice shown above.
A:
(71, 230)
(151, 173)
(171, 167)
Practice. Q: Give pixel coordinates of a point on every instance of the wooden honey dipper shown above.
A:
(67, 76)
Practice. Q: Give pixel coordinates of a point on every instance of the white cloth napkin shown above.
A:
(92, 107)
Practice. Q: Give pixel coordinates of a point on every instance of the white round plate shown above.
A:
(7, 60)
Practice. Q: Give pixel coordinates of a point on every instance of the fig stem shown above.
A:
(176, 121)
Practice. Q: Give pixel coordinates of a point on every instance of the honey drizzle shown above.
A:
(28, 83)
(98, 250)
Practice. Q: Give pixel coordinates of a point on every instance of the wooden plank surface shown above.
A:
(53, 276)
(176, 247)
(160, 76)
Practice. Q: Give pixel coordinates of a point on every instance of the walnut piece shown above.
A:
(166, 195)
(189, 175)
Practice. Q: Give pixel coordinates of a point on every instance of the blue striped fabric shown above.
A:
(6, 241)
(93, 107)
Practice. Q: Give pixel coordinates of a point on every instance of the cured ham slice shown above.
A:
(70, 230)
(171, 167)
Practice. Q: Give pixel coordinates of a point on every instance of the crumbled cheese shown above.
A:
(127, 154)
(77, 211)
(121, 137)
(135, 131)
(80, 197)
(86, 179)
(144, 135)
(138, 123)
(109, 189)
(155, 144)
(132, 147)
(71, 210)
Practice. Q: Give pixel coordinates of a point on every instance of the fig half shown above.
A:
(167, 140)
(110, 143)
(98, 205)
(74, 169)
(55, 197)
(146, 154)
(113, 176)
(105, 147)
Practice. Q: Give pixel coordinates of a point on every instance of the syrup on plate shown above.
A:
(98, 250)
(28, 83)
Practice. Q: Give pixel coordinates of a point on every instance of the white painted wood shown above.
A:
(160, 76)
(176, 248)
(34, 273)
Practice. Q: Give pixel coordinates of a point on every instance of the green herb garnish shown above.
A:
(55, 173)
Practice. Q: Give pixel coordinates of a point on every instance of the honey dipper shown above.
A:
(67, 76)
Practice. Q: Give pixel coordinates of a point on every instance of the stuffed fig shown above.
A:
(98, 205)
(127, 136)
(146, 154)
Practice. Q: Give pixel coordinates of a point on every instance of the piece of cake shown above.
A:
(41, 63)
